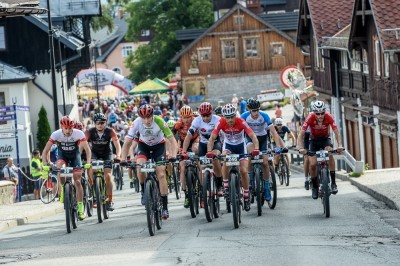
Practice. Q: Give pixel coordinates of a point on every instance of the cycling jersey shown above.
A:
(152, 135)
(282, 133)
(67, 145)
(204, 129)
(260, 124)
(101, 142)
(233, 135)
(319, 131)
(182, 129)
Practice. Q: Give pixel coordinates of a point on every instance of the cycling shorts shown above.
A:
(107, 158)
(262, 142)
(70, 160)
(203, 147)
(320, 144)
(156, 152)
(236, 149)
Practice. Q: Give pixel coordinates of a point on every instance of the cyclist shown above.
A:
(78, 125)
(261, 125)
(218, 111)
(319, 122)
(282, 131)
(234, 129)
(101, 137)
(182, 127)
(150, 133)
(204, 125)
(69, 140)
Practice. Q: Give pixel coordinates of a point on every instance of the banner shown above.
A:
(87, 78)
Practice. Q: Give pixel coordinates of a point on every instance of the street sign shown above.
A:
(270, 96)
(4, 109)
(7, 135)
(7, 117)
(22, 108)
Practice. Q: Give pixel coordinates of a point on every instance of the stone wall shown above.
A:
(6, 192)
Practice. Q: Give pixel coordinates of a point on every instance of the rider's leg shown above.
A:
(288, 163)
(250, 148)
(306, 167)
(333, 174)
(109, 183)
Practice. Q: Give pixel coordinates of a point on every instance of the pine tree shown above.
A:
(44, 130)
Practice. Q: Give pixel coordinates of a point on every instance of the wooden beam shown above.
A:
(238, 32)
(303, 16)
(366, 12)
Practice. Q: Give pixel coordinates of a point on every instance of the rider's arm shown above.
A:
(173, 146)
(211, 140)
(186, 142)
(46, 152)
(85, 145)
(254, 139)
(338, 138)
(125, 148)
(117, 145)
(300, 139)
(291, 135)
(276, 137)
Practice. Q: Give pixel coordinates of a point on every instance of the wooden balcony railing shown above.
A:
(386, 94)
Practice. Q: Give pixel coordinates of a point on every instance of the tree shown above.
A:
(106, 19)
(44, 130)
(163, 18)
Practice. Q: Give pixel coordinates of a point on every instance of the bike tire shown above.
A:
(48, 190)
(234, 200)
(190, 192)
(285, 172)
(98, 200)
(273, 189)
(158, 208)
(207, 194)
(177, 186)
(67, 207)
(197, 194)
(259, 197)
(150, 213)
(118, 181)
(89, 201)
(74, 208)
(106, 213)
(279, 172)
(326, 193)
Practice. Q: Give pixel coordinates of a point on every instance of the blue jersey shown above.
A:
(260, 125)
(283, 131)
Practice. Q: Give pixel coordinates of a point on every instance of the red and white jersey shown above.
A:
(319, 131)
(67, 144)
(233, 135)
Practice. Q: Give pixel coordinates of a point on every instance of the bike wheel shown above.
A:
(285, 171)
(234, 200)
(197, 194)
(106, 214)
(279, 172)
(74, 208)
(89, 201)
(98, 199)
(273, 189)
(326, 193)
(117, 178)
(208, 197)
(67, 207)
(259, 196)
(48, 190)
(177, 185)
(191, 192)
(149, 195)
(158, 208)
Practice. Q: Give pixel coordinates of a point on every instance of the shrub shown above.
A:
(44, 130)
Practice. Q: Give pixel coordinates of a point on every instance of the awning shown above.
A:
(161, 82)
(148, 86)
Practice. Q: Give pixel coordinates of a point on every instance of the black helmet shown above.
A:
(253, 104)
(99, 117)
(218, 110)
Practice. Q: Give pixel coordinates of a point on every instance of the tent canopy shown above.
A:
(149, 86)
(161, 82)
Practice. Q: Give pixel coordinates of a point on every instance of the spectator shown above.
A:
(235, 100)
(10, 171)
(112, 118)
(167, 116)
(157, 110)
(89, 125)
(243, 104)
(36, 172)
(278, 111)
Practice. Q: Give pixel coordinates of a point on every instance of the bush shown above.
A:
(352, 174)
(44, 130)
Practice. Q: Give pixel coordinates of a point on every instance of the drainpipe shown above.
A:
(41, 88)
(375, 110)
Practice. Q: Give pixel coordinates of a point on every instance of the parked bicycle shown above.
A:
(210, 194)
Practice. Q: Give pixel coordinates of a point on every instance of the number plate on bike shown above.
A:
(322, 156)
(66, 172)
(205, 160)
(232, 159)
(257, 161)
(148, 168)
(270, 156)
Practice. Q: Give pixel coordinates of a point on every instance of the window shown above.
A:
(145, 33)
(343, 59)
(204, 54)
(386, 61)
(252, 47)
(238, 20)
(277, 49)
(365, 59)
(117, 70)
(356, 56)
(377, 58)
(126, 50)
(2, 38)
(229, 48)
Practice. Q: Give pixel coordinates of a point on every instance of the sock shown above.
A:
(110, 198)
(226, 183)
(165, 202)
(142, 187)
(246, 193)
(333, 177)
(80, 206)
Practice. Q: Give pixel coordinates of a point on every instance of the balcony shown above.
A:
(386, 94)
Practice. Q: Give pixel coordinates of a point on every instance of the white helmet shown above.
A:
(229, 110)
(278, 121)
(318, 106)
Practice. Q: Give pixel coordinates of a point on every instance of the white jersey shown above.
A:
(152, 135)
(67, 144)
(204, 129)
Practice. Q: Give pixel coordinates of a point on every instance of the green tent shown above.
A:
(161, 82)
(148, 86)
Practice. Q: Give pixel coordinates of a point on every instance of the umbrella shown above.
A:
(148, 86)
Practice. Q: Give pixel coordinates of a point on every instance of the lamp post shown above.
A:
(58, 34)
(52, 66)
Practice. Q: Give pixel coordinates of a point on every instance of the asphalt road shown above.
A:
(360, 231)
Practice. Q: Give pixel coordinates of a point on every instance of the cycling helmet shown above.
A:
(218, 110)
(67, 122)
(278, 121)
(318, 106)
(186, 111)
(78, 125)
(171, 123)
(146, 111)
(99, 117)
(253, 104)
(229, 110)
(53, 147)
(205, 108)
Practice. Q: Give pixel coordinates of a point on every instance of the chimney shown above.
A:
(254, 6)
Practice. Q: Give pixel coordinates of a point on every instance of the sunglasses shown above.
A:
(318, 114)
(255, 110)
(278, 125)
(100, 123)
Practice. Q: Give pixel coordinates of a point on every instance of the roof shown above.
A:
(9, 73)
(339, 41)
(216, 24)
(386, 14)
(189, 34)
(273, 2)
(282, 21)
(118, 35)
(67, 39)
(20, 8)
(328, 17)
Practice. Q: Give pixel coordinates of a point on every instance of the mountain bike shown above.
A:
(87, 195)
(176, 179)
(49, 187)
(118, 174)
(210, 194)
(192, 183)
(272, 181)
(282, 167)
(257, 185)
(100, 190)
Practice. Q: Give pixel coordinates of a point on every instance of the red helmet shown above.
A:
(78, 125)
(67, 122)
(205, 108)
(146, 110)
